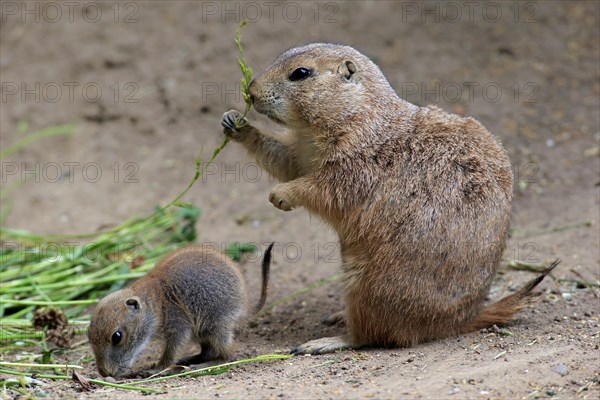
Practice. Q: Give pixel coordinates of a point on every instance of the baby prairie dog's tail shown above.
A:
(504, 310)
(266, 268)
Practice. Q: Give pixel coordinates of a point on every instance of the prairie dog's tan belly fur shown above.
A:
(420, 198)
(306, 152)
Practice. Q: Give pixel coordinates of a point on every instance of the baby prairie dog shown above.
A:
(420, 198)
(192, 294)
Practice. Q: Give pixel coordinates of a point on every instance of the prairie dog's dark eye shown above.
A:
(116, 338)
(300, 73)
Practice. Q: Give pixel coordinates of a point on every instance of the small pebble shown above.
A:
(110, 379)
(454, 390)
(561, 369)
(567, 296)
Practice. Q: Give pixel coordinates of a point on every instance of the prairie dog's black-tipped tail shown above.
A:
(266, 269)
(504, 310)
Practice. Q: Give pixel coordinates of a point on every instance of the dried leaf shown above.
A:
(86, 386)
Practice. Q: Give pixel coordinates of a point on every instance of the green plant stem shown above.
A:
(12, 274)
(124, 386)
(66, 129)
(5, 335)
(86, 282)
(265, 357)
(49, 303)
(19, 322)
(246, 75)
(95, 381)
(40, 366)
(44, 376)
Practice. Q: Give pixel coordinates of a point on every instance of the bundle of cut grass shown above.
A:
(41, 270)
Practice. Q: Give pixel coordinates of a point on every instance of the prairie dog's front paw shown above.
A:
(232, 121)
(280, 200)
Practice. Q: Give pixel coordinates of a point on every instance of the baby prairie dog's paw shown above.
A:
(233, 121)
(279, 198)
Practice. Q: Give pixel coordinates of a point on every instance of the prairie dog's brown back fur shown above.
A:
(420, 198)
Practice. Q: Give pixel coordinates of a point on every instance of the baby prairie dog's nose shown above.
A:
(103, 370)
(107, 370)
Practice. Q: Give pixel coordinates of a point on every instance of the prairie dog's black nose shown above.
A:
(251, 86)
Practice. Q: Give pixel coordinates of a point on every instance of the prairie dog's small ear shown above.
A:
(133, 303)
(347, 69)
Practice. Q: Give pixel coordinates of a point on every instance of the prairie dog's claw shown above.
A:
(229, 120)
(279, 201)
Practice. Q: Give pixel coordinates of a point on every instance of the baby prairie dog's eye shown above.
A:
(116, 338)
(300, 73)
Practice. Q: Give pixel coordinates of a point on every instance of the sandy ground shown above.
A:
(147, 83)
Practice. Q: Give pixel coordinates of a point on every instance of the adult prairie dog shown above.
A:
(420, 198)
(192, 294)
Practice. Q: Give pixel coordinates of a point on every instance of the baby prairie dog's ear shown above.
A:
(348, 70)
(133, 303)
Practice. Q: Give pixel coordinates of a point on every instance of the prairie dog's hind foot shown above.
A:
(325, 345)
